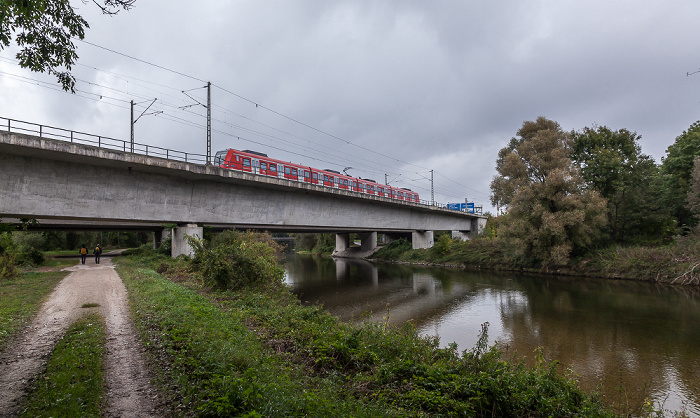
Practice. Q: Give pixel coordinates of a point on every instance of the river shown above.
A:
(630, 341)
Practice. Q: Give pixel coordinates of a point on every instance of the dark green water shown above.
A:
(629, 340)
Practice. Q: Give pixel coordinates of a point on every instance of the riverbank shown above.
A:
(675, 263)
(263, 354)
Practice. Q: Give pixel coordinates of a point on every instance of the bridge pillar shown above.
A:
(461, 235)
(368, 240)
(422, 239)
(179, 239)
(478, 226)
(342, 242)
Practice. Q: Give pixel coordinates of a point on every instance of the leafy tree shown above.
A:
(612, 163)
(44, 30)
(694, 192)
(550, 214)
(678, 167)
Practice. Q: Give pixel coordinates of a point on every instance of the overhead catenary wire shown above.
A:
(308, 143)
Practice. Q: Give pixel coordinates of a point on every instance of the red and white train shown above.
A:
(259, 163)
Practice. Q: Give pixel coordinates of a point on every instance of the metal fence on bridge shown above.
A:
(52, 132)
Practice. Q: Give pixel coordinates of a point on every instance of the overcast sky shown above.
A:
(393, 87)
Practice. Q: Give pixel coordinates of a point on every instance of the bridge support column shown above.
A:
(342, 242)
(179, 239)
(368, 240)
(478, 226)
(461, 235)
(422, 239)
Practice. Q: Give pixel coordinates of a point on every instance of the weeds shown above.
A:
(259, 352)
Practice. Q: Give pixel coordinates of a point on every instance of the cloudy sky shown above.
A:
(393, 89)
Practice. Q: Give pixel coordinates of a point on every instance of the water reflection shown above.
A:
(631, 340)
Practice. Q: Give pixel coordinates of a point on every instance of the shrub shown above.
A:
(7, 267)
(24, 247)
(237, 260)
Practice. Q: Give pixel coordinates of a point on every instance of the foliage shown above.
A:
(693, 198)
(678, 167)
(394, 250)
(305, 242)
(235, 260)
(24, 247)
(325, 244)
(266, 355)
(7, 267)
(550, 215)
(72, 384)
(677, 263)
(612, 163)
(20, 298)
(43, 30)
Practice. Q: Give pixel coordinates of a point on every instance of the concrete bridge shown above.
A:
(66, 184)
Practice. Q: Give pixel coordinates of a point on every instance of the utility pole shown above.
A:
(132, 126)
(133, 121)
(432, 190)
(208, 122)
(386, 179)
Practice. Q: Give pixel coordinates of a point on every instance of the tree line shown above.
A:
(562, 194)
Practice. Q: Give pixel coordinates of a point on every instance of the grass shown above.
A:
(73, 384)
(262, 354)
(677, 263)
(20, 299)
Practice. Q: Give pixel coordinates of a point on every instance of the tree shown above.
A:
(694, 190)
(612, 163)
(44, 31)
(550, 214)
(678, 166)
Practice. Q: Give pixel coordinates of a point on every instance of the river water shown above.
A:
(630, 341)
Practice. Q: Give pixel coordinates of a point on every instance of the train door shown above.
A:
(256, 166)
(314, 177)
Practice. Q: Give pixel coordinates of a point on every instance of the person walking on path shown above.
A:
(83, 253)
(97, 252)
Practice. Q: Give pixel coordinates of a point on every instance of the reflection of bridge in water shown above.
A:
(364, 293)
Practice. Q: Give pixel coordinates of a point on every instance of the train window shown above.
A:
(325, 178)
(246, 162)
(294, 171)
(306, 174)
(315, 176)
(354, 184)
(286, 170)
(331, 179)
(263, 165)
(273, 167)
(238, 157)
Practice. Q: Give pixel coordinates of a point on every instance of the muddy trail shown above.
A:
(129, 392)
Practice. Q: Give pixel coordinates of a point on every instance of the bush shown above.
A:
(24, 247)
(7, 267)
(237, 260)
(394, 250)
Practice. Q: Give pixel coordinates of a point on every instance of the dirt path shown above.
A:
(129, 393)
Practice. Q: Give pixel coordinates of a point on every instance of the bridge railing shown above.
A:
(52, 132)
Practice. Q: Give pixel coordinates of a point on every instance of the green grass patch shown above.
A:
(254, 353)
(73, 384)
(90, 305)
(20, 299)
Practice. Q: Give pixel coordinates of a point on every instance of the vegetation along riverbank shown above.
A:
(228, 338)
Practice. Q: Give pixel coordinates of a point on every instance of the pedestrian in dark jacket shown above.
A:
(83, 253)
(97, 253)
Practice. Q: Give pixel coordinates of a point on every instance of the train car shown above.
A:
(260, 163)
